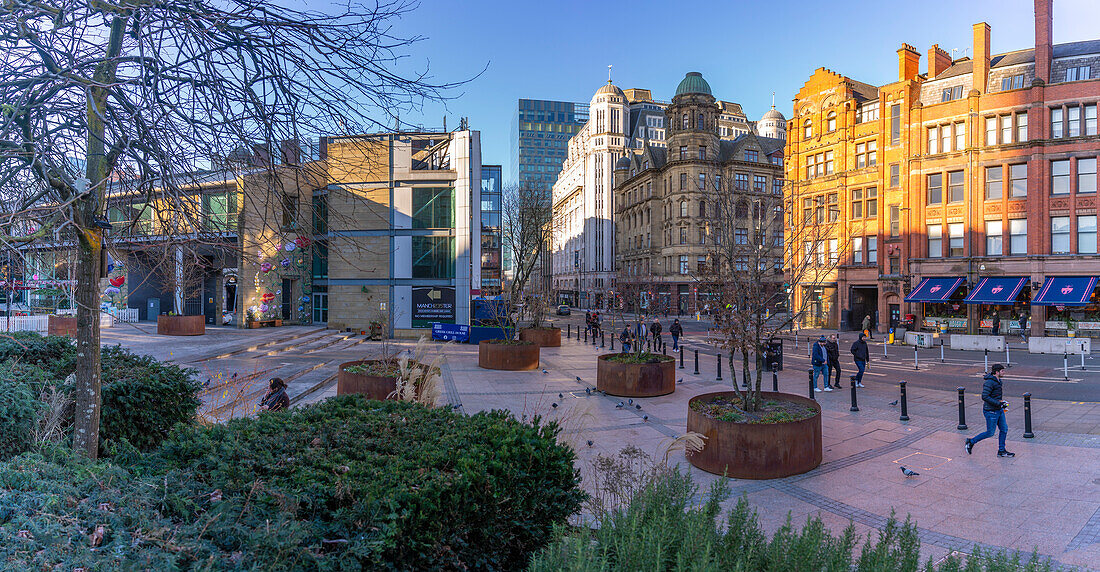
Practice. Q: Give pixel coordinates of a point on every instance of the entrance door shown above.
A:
(288, 298)
(209, 307)
(320, 304)
(864, 302)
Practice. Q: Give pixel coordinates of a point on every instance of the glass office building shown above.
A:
(491, 237)
(540, 139)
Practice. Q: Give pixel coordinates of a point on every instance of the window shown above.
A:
(686, 122)
(819, 209)
(683, 235)
(960, 136)
(828, 162)
(683, 264)
(895, 124)
(990, 131)
(219, 212)
(933, 140)
(1006, 129)
(807, 128)
(683, 208)
(834, 255)
(857, 203)
(777, 186)
(955, 186)
(718, 182)
(702, 236)
(683, 181)
(872, 202)
(1073, 121)
(834, 207)
(1059, 235)
(1021, 127)
(1059, 177)
(1090, 119)
(1086, 175)
(1017, 236)
(701, 263)
(1056, 126)
(807, 210)
(702, 181)
(1013, 82)
(320, 260)
(741, 181)
(952, 93)
(935, 188)
(1086, 234)
(433, 257)
(1018, 180)
(741, 236)
(955, 239)
(702, 209)
(895, 175)
(895, 221)
(945, 138)
(683, 152)
(702, 152)
(752, 155)
(935, 241)
(290, 210)
(857, 250)
(872, 250)
(867, 112)
(993, 238)
(993, 182)
(830, 122)
(866, 155)
(759, 183)
(1078, 73)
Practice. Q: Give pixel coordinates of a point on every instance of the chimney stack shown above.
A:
(1044, 36)
(908, 62)
(938, 60)
(981, 56)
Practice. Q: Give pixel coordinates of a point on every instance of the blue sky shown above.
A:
(746, 50)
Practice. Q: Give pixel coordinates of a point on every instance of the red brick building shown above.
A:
(980, 172)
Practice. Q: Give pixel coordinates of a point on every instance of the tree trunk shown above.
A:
(88, 399)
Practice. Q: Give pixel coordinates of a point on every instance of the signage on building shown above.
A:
(432, 304)
(450, 332)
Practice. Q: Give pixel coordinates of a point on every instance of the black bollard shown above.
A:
(569, 331)
(1027, 416)
(915, 356)
(904, 403)
(681, 357)
(612, 341)
(811, 378)
(593, 338)
(603, 339)
(852, 385)
(719, 378)
(586, 335)
(663, 350)
(962, 410)
(775, 377)
(696, 362)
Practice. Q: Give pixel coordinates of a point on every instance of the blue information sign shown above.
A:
(450, 332)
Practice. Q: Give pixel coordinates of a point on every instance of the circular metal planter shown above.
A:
(61, 326)
(181, 325)
(508, 357)
(372, 386)
(757, 450)
(544, 337)
(636, 379)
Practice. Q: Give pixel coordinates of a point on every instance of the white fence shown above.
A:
(128, 316)
(24, 324)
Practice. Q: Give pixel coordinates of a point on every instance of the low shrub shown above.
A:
(55, 354)
(21, 406)
(644, 357)
(143, 398)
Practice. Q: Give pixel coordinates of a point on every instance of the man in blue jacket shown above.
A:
(819, 358)
(994, 410)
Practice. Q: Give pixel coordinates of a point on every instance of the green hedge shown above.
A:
(21, 405)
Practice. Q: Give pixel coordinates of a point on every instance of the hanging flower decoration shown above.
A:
(267, 297)
(285, 263)
(266, 267)
(301, 309)
(302, 241)
(111, 291)
(279, 291)
(290, 246)
(264, 307)
(305, 299)
(300, 261)
(118, 281)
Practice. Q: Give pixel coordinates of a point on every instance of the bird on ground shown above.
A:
(894, 403)
(560, 396)
(645, 418)
(588, 391)
(578, 378)
(630, 402)
(908, 472)
(638, 407)
(620, 405)
(544, 371)
(589, 442)
(554, 405)
(234, 375)
(681, 380)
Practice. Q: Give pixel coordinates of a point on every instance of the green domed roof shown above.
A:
(693, 82)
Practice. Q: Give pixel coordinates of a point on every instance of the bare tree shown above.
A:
(760, 248)
(528, 230)
(94, 94)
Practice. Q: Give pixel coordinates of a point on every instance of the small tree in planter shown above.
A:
(637, 373)
(528, 229)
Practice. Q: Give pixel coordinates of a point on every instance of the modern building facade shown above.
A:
(662, 223)
(541, 130)
(492, 251)
(965, 191)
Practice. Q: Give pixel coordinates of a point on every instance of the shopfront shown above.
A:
(940, 301)
(1073, 305)
(1008, 297)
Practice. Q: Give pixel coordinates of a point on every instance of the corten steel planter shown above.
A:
(757, 450)
(62, 326)
(636, 379)
(373, 386)
(544, 337)
(508, 357)
(181, 325)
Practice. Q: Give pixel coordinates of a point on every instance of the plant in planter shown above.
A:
(542, 333)
(635, 372)
(509, 355)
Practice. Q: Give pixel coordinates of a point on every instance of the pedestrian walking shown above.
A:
(276, 397)
(867, 326)
(676, 330)
(819, 359)
(861, 356)
(656, 329)
(597, 321)
(641, 333)
(624, 337)
(994, 410)
(996, 323)
(833, 348)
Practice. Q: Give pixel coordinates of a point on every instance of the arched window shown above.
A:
(686, 125)
(702, 123)
(702, 208)
(830, 121)
(807, 128)
(683, 208)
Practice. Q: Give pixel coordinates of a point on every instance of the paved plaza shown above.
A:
(1046, 498)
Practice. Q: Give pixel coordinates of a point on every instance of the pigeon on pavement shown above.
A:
(578, 378)
(681, 380)
(589, 442)
(630, 402)
(544, 371)
(554, 405)
(560, 396)
(894, 403)
(588, 391)
(645, 418)
(638, 407)
(908, 472)
(620, 405)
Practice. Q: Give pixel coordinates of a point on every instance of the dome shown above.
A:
(623, 163)
(610, 89)
(773, 114)
(693, 82)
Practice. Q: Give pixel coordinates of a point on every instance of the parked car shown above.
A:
(563, 310)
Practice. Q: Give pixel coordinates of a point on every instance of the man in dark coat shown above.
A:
(676, 330)
(994, 410)
(996, 324)
(861, 356)
(819, 359)
(832, 348)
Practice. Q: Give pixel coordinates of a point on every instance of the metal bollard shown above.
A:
(696, 362)
(915, 357)
(941, 350)
(663, 350)
(586, 335)
(719, 378)
(603, 339)
(1008, 358)
(884, 346)
(612, 341)
(681, 357)
(904, 403)
(593, 338)
(811, 377)
(775, 377)
(569, 331)
(1065, 366)
(852, 385)
(987, 360)
(1027, 417)
(962, 410)
(1082, 361)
